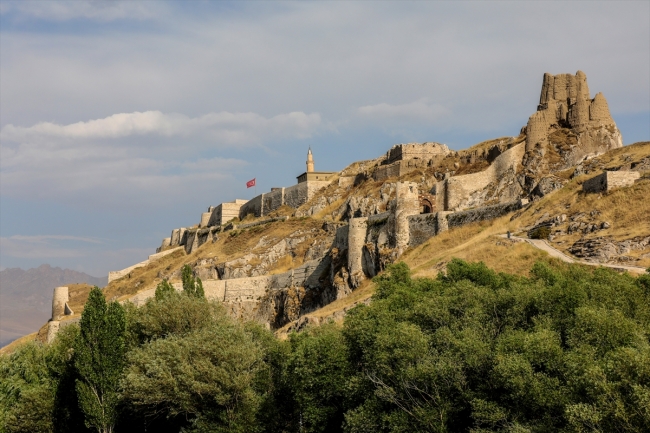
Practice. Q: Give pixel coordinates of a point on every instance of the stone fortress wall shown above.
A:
(225, 212)
(293, 196)
(452, 194)
(609, 180)
(564, 103)
(404, 158)
(114, 275)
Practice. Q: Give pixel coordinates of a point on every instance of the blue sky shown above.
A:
(120, 121)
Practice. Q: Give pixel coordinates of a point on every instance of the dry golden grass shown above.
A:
(14, 345)
(474, 242)
(230, 246)
(627, 210)
(283, 264)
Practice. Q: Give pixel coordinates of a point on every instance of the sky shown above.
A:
(120, 121)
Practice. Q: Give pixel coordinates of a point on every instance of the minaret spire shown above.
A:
(310, 161)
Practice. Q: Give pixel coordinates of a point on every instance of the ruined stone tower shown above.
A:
(565, 102)
(310, 161)
(406, 205)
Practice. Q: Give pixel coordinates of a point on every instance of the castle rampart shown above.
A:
(407, 204)
(114, 275)
(356, 240)
(610, 179)
(452, 194)
(59, 302)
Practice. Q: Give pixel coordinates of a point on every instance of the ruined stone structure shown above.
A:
(356, 240)
(403, 158)
(225, 212)
(565, 102)
(609, 180)
(371, 230)
(60, 309)
(407, 204)
(114, 275)
(461, 192)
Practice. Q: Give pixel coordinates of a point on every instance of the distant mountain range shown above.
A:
(26, 297)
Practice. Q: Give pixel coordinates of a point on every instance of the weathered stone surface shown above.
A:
(225, 212)
(406, 205)
(547, 185)
(610, 179)
(565, 103)
(605, 249)
(59, 300)
(460, 192)
(458, 219)
(422, 227)
(205, 218)
(356, 241)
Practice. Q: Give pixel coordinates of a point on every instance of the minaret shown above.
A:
(310, 161)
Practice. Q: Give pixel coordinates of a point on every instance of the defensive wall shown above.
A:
(409, 229)
(224, 212)
(427, 151)
(114, 275)
(453, 193)
(404, 158)
(608, 180)
(425, 226)
(293, 196)
(250, 288)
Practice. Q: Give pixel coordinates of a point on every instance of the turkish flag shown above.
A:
(250, 183)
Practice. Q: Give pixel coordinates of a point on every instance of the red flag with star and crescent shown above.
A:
(250, 183)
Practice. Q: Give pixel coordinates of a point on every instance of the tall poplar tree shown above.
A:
(99, 359)
(192, 286)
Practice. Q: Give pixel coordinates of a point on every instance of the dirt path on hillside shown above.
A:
(544, 246)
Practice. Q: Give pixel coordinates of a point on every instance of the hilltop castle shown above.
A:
(567, 127)
(421, 190)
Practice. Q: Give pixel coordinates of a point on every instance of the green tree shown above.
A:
(319, 378)
(205, 376)
(192, 286)
(99, 355)
(164, 290)
(567, 349)
(26, 390)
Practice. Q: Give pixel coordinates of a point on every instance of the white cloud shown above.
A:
(223, 127)
(420, 110)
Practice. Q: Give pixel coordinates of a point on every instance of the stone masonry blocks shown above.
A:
(59, 299)
(610, 179)
(453, 193)
(356, 240)
(565, 101)
(407, 204)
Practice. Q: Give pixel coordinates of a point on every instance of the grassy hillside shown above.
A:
(625, 210)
